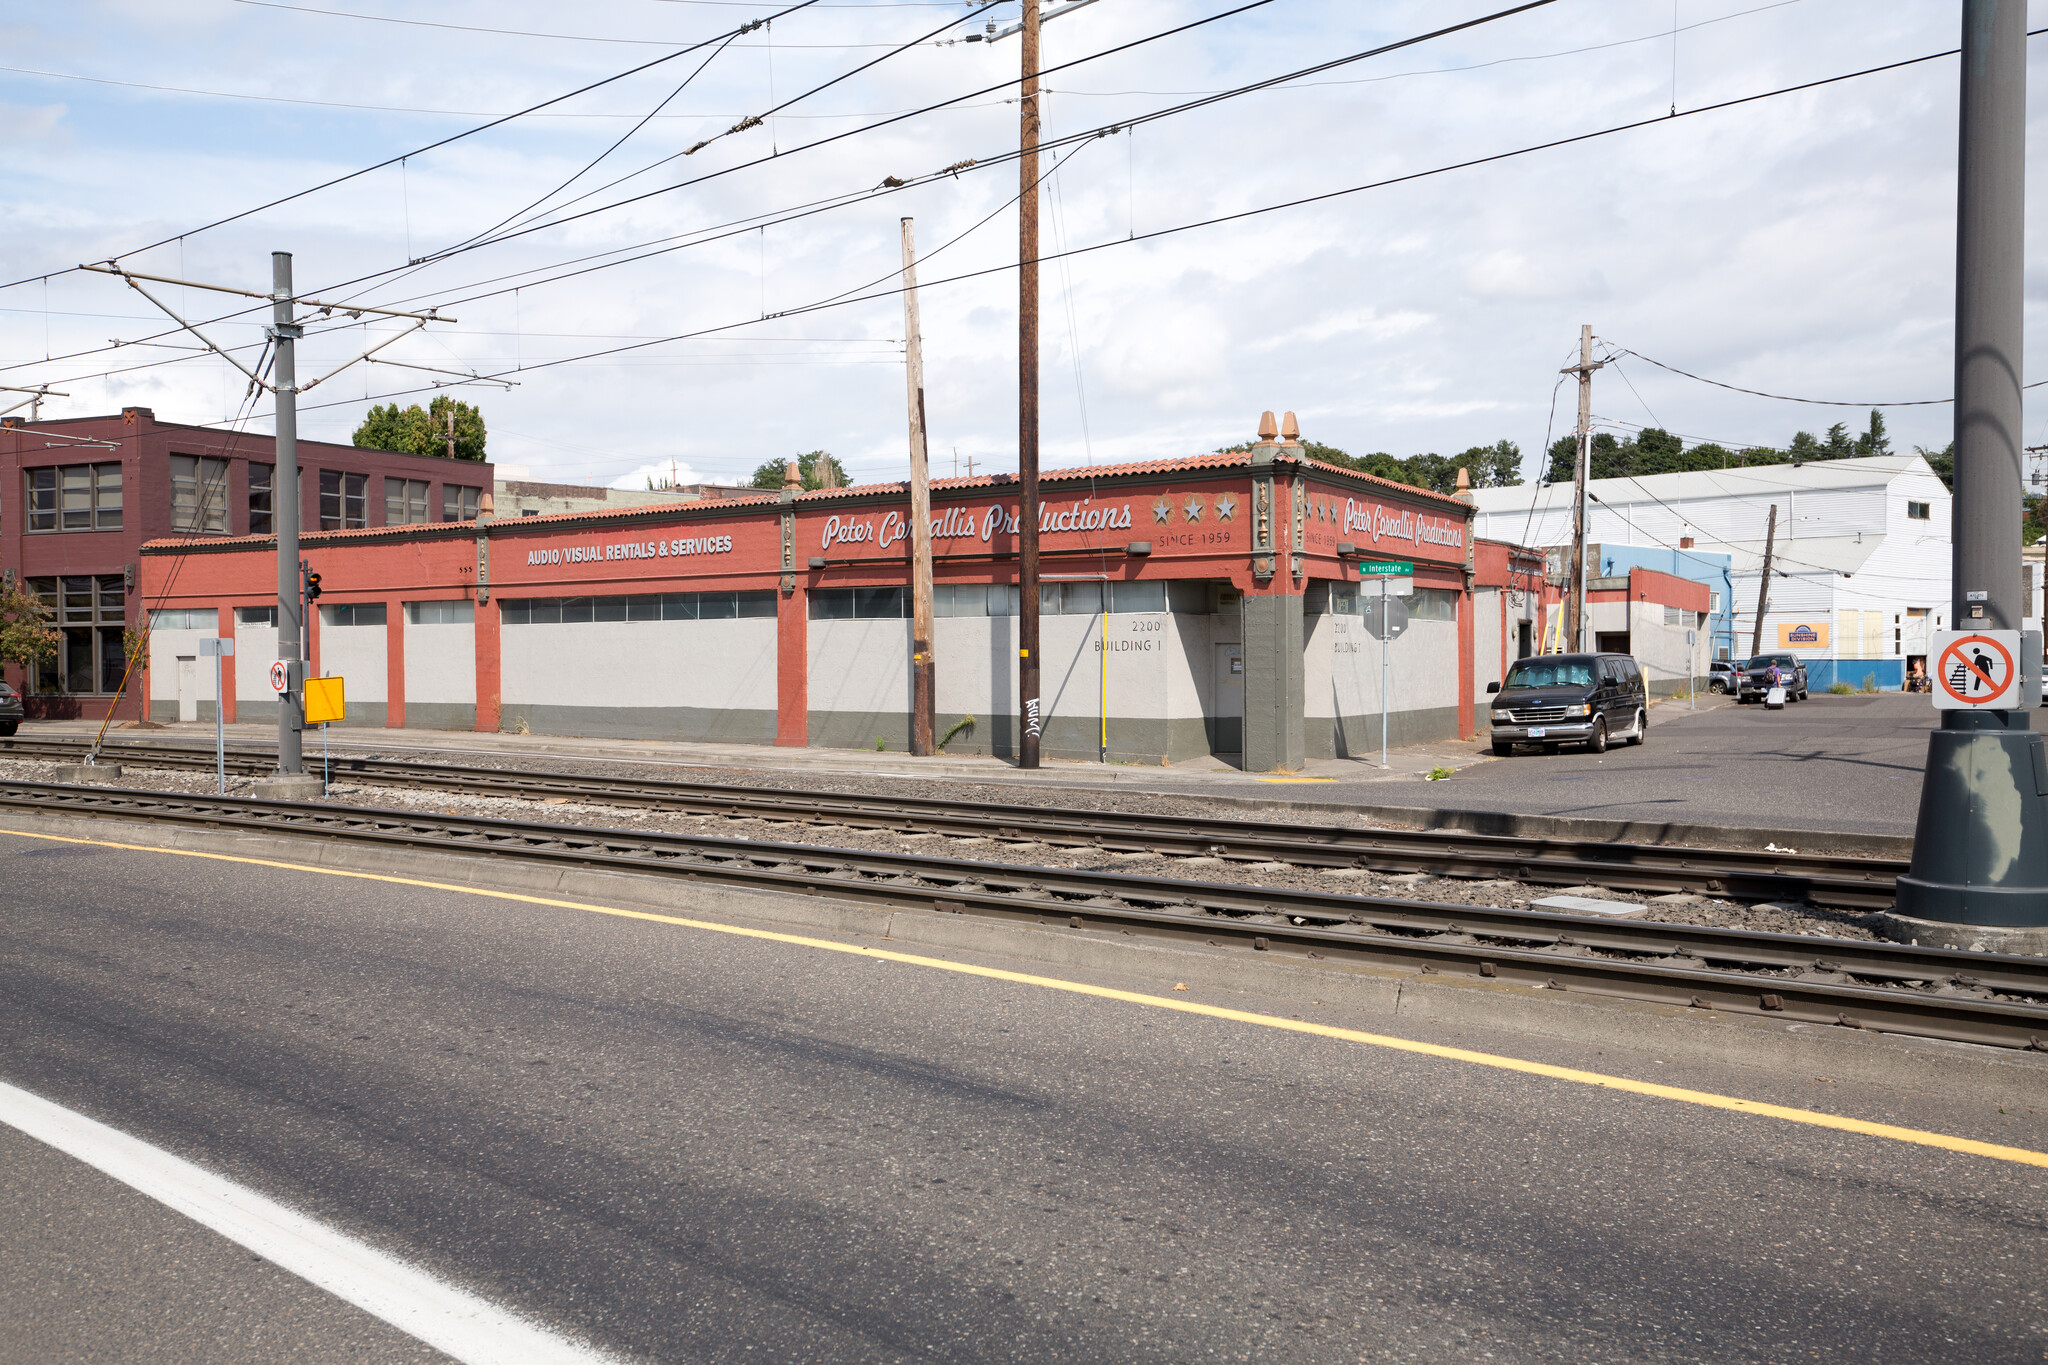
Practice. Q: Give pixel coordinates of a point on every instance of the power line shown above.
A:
(720, 232)
(441, 142)
(1241, 215)
(506, 32)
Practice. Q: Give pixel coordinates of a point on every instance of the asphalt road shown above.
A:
(1829, 763)
(685, 1145)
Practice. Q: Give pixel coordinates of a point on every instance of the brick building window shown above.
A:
(73, 497)
(459, 503)
(260, 506)
(199, 493)
(344, 500)
(88, 611)
(405, 502)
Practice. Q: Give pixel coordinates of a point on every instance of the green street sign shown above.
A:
(1386, 568)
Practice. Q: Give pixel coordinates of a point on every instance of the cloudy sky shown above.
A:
(1801, 244)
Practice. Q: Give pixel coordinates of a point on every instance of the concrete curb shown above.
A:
(1891, 1061)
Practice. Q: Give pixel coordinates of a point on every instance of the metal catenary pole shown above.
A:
(1031, 721)
(1980, 850)
(220, 734)
(1384, 632)
(285, 500)
(923, 682)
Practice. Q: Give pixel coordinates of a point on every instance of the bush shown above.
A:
(1841, 689)
(1870, 682)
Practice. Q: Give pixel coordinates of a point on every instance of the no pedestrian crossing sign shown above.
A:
(280, 677)
(1976, 670)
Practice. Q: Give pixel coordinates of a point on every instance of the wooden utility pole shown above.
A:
(1030, 716)
(1582, 459)
(921, 680)
(1763, 584)
(451, 428)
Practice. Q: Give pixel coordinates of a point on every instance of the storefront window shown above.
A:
(88, 611)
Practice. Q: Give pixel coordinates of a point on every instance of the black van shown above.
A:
(1553, 699)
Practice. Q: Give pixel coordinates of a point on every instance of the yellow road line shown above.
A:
(1917, 1137)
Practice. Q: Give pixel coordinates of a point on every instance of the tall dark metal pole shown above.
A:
(1031, 718)
(1980, 851)
(285, 502)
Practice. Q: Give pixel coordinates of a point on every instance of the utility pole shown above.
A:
(1763, 584)
(1031, 717)
(1582, 460)
(921, 667)
(1980, 851)
(451, 428)
(285, 500)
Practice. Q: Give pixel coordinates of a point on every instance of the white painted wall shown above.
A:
(355, 654)
(440, 662)
(860, 667)
(255, 651)
(719, 665)
(165, 647)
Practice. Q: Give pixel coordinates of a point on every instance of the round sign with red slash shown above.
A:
(1976, 670)
(280, 677)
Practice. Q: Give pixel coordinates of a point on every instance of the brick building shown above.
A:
(80, 496)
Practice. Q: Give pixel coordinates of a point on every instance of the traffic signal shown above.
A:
(312, 586)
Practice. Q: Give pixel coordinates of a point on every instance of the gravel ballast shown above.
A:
(1772, 917)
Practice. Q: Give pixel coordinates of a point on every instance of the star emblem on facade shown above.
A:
(1194, 507)
(1225, 505)
(1162, 509)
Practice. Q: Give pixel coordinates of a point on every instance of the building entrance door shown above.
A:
(1226, 720)
(188, 687)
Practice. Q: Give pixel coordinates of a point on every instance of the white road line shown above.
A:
(442, 1316)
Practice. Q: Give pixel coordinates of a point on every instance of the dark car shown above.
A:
(1721, 676)
(1553, 699)
(1756, 677)
(10, 710)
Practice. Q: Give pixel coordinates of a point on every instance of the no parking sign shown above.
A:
(1976, 670)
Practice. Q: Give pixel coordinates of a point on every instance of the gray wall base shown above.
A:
(1274, 685)
(1359, 736)
(642, 722)
(440, 715)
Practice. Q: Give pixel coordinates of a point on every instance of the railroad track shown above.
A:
(1839, 881)
(1928, 992)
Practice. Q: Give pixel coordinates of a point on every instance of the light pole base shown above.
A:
(289, 787)
(1980, 849)
(1971, 938)
(88, 772)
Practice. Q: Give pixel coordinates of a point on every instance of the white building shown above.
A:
(1859, 574)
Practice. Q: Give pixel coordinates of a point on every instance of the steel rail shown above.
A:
(1835, 880)
(1980, 998)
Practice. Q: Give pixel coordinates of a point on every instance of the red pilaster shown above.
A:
(226, 630)
(792, 669)
(394, 664)
(1466, 658)
(488, 716)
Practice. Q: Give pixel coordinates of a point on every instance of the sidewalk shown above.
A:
(1408, 764)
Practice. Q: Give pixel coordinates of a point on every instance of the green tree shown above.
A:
(424, 431)
(812, 465)
(1942, 462)
(1496, 466)
(26, 636)
(1874, 441)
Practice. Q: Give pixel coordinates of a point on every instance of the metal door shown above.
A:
(188, 687)
(1226, 719)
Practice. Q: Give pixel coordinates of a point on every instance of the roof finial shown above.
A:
(1464, 493)
(1267, 430)
(792, 477)
(1290, 430)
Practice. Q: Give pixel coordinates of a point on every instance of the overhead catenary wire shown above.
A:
(1788, 398)
(428, 147)
(1245, 214)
